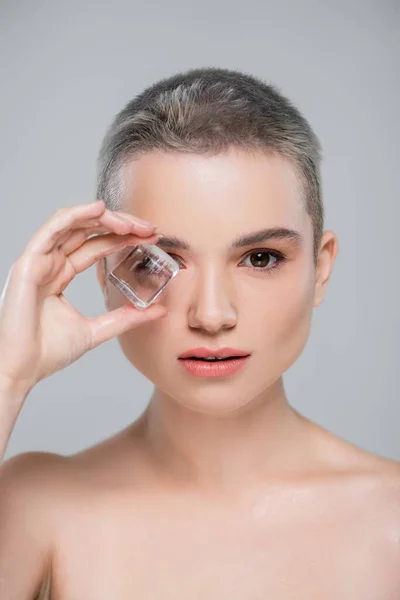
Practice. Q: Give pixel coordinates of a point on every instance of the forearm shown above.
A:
(12, 398)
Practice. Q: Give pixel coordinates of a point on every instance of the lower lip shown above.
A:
(222, 368)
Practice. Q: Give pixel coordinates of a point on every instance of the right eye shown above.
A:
(175, 257)
(143, 265)
(147, 268)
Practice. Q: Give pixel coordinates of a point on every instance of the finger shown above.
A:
(108, 222)
(120, 320)
(65, 219)
(79, 237)
(104, 224)
(48, 233)
(114, 221)
(90, 224)
(138, 225)
(99, 246)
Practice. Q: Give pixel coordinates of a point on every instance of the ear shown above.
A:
(101, 269)
(326, 258)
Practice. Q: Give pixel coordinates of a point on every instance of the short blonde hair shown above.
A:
(206, 111)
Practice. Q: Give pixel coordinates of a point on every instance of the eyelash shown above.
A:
(280, 259)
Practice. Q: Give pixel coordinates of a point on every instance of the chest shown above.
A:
(188, 557)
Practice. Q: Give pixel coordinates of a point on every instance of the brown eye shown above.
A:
(260, 260)
(264, 260)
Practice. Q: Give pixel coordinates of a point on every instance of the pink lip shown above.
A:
(223, 368)
(218, 352)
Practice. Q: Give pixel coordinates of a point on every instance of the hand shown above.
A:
(40, 331)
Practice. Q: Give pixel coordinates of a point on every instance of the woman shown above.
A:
(220, 489)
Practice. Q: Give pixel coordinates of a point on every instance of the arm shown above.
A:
(12, 398)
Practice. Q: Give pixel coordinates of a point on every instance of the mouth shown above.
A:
(212, 360)
(213, 353)
(208, 367)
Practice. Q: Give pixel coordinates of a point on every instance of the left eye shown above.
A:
(262, 259)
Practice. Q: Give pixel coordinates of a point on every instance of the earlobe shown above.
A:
(318, 294)
(320, 281)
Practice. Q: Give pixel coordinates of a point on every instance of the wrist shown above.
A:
(12, 397)
(14, 391)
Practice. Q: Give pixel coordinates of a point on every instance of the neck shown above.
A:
(267, 438)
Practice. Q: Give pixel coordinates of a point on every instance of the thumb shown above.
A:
(120, 320)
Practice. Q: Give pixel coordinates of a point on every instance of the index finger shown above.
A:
(48, 233)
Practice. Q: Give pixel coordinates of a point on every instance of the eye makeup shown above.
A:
(143, 274)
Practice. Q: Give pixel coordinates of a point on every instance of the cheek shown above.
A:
(115, 297)
(148, 347)
(282, 317)
(138, 343)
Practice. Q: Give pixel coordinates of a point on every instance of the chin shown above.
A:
(219, 398)
(216, 407)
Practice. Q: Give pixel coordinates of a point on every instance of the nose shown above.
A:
(212, 307)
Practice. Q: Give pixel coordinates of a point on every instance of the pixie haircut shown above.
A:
(207, 111)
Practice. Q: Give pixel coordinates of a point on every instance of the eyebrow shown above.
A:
(255, 237)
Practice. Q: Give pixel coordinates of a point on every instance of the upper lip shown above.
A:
(217, 352)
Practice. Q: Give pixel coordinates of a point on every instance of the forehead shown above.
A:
(214, 196)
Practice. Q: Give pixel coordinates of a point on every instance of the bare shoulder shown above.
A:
(29, 472)
(43, 496)
(375, 474)
(28, 482)
(51, 478)
(29, 511)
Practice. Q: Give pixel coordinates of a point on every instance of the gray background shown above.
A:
(67, 68)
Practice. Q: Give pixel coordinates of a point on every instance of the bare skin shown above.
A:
(114, 527)
(220, 489)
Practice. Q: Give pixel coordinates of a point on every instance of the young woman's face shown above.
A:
(222, 296)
